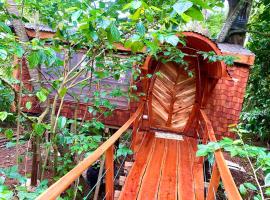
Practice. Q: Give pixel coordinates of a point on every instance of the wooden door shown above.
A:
(172, 97)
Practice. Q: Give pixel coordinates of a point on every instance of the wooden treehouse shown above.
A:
(178, 112)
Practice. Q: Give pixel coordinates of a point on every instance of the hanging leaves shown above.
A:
(182, 6)
(113, 33)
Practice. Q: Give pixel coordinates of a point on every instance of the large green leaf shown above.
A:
(34, 59)
(3, 115)
(9, 133)
(61, 122)
(140, 28)
(3, 54)
(113, 33)
(172, 39)
(39, 128)
(267, 180)
(182, 6)
(195, 13)
(42, 94)
(250, 186)
(242, 189)
(5, 28)
(75, 16)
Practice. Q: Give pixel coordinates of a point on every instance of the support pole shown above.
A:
(109, 166)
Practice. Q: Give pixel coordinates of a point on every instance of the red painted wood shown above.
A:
(185, 176)
(214, 183)
(197, 169)
(150, 182)
(132, 183)
(109, 167)
(168, 182)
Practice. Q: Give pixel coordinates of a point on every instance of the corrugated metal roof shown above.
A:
(41, 27)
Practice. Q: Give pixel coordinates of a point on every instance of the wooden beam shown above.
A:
(109, 178)
(214, 183)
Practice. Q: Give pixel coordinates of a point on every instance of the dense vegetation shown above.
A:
(94, 28)
(256, 113)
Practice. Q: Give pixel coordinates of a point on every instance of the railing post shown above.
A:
(109, 178)
(214, 183)
(134, 133)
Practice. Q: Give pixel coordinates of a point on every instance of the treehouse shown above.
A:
(178, 112)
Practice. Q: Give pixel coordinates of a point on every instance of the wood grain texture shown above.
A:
(109, 166)
(133, 181)
(185, 173)
(151, 179)
(214, 183)
(168, 182)
(197, 168)
(173, 96)
(168, 172)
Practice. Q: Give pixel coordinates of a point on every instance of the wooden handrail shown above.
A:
(226, 176)
(63, 183)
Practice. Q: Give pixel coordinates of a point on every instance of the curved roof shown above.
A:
(199, 42)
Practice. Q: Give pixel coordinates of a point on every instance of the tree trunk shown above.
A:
(229, 21)
(17, 23)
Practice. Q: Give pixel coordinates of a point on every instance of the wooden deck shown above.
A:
(165, 169)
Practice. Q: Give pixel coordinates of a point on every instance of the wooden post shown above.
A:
(134, 133)
(109, 166)
(214, 183)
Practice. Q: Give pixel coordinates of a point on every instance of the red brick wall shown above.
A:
(225, 104)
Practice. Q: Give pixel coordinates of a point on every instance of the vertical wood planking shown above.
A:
(185, 176)
(168, 182)
(109, 166)
(197, 170)
(150, 182)
(132, 183)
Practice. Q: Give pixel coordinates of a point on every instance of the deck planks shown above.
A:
(185, 172)
(165, 169)
(150, 182)
(168, 182)
(133, 181)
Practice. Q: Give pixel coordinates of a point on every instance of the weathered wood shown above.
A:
(63, 183)
(109, 167)
(214, 183)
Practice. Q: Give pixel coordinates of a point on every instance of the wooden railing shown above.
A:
(107, 147)
(220, 169)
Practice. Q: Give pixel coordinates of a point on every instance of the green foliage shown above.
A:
(212, 57)
(6, 97)
(215, 22)
(256, 110)
(123, 151)
(42, 94)
(19, 189)
(260, 157)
